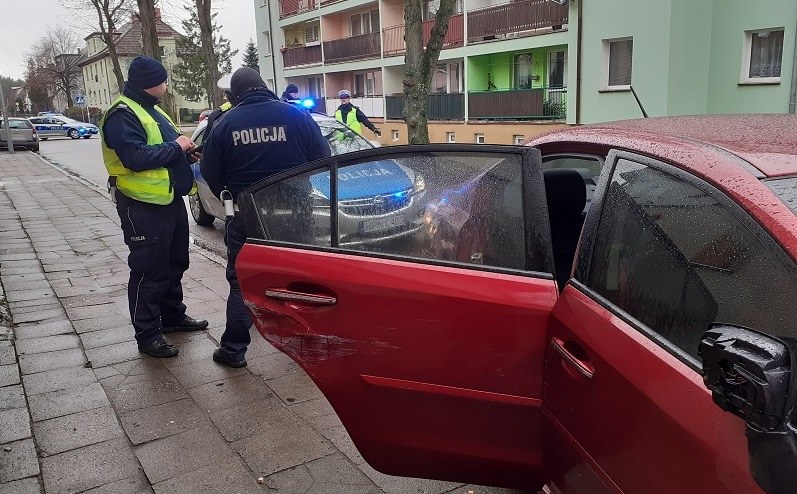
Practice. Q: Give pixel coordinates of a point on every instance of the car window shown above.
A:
(342, 139)
(19, 124)
(786, 189)
(35, 120)
(463, 208)
(676, 259)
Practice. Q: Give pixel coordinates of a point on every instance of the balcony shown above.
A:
(518, 104)
(353, 48)
(441, 107)
(302, 55)
(394, 36)
(515, 17)
(293, 7)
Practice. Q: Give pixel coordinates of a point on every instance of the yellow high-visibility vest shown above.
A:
(152, 186)
(351, 120)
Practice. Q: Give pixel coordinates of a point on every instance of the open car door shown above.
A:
(413, 284)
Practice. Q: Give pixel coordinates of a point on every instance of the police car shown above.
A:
(376, 201)
(56, 125)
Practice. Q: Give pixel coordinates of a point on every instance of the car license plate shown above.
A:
(386, 223)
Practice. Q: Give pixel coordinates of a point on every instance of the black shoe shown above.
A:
(187, 324)
(159, 349)
(223, 357)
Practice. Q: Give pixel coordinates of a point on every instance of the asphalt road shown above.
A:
(83, 158)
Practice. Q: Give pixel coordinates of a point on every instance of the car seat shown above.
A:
(566, 195)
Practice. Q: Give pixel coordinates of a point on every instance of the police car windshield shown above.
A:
(341, 138)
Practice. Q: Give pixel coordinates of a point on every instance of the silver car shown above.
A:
(60, 126)
(23, 135)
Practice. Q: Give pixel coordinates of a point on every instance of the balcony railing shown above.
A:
(515, 17)
(293, 7)
(441, 107)
(371, 106)
(353, 48)
(303, 55)
(518, 104)
(394, 35)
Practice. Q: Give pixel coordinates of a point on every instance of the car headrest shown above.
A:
(565, 191)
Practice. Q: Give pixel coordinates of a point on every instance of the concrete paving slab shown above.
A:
(88, 467)
(12, 397)
(104, 337)
(74, 431)
(133, 485)
(401, 485)
(98, 323)
(31, 294)
(337, 469)
(43, 362)
(73, 291)
(83, 301)
(272, 366)
(41, 315)
(36, 330)
(340, 438)
(18, 460)
(45, 382)
(228, 476)
(191, 350)
(91, 311)
(47, 344)
(295, 387)
(240, 421)
(157, 422)
(156, 389)
(114, 354)
(7, 354)
(24, 486)
(237, 390)
(14, 425)
(202, 372)
(175, 455)
(9, 374)
(26, 285)
(65, 402)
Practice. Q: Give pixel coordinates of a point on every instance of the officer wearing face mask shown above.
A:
(258, 137)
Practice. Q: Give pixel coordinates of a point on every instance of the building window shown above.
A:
(478, 138)
(518, 139)
(394, 134)
(430, 8)
(162, 50)
(762, 56)
(365, 84)
(315, 87)
(618, 55)
(446, 79)
(311, 36)
(451, 137)
(266, 49)
(365, 23)
(557, 71)
(523, 75)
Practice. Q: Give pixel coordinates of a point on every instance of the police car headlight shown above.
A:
(419, 184)
(82, 131)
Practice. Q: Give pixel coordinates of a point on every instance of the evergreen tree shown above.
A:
(251, 57)
(191, 73)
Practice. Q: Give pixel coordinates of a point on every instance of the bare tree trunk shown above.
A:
(208, 51)
(107, 15)
(419, 65)
(149, 33)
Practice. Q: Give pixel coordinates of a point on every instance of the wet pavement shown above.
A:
(81, 410)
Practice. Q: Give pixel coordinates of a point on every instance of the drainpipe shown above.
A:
(579, 56)
(793, 98)
(271, 35)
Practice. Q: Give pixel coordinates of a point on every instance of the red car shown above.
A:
(579, 312)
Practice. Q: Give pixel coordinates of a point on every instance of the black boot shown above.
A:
(187, 324)
(159, 349)
(223, 357)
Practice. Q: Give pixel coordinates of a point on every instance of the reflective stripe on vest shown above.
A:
(351, 119)
(151, 186)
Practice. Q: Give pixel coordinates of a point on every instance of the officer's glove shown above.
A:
(377, 132)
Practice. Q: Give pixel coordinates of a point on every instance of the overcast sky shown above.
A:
(22, 21)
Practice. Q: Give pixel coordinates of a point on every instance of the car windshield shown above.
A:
(786, 189)
(18, 124)
(341, 138)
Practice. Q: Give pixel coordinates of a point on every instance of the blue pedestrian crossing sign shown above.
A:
(80, 100)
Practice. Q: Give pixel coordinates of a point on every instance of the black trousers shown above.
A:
(236, 334)
(158, 240)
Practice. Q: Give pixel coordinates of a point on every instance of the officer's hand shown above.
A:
(194, 157)
(185, 143)
(377, 132)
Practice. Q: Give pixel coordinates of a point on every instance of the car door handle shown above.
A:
(583, 366)
(306, 298)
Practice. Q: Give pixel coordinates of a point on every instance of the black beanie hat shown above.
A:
(291, 88)
(243, 79)
(146, 72)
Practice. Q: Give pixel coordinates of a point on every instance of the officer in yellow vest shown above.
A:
(352, 116)
(148, 163)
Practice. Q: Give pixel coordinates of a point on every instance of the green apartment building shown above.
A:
(511, 70)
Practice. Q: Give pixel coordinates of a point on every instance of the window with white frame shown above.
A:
(267, 48)
(451, 137)
(394, 134)
(315, 87)
(762, 56)
(430, 8)
(447, 79)
(365, 84)
(517, 139)
(523, 71)
(478, 138)
(365, 22)
(557, 70)
(311, 34)
(618, 60)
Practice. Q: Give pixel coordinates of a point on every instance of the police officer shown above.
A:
(224, 85)
(149, 172)
(233, 163)
(352, 116)
(291, 93)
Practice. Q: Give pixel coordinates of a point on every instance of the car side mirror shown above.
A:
(752, 375)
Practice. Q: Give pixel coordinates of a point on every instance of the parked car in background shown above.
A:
(379, 201)
(60, 126)
(607, 309)
(23, 134)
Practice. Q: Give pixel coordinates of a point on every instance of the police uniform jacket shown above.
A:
(124, 134)
(259, 137)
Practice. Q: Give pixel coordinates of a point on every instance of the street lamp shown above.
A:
(6, 125)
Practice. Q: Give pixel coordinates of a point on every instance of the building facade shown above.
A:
(501, 77)
(510, 70)
(99, 81)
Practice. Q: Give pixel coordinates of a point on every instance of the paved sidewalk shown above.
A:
(82, 411)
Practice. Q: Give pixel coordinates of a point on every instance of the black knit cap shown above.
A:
(146, 72)
(291, 88)
(245, 78)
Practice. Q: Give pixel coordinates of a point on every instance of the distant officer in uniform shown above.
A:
(149, 173)
(291, 93)
(259, 137)
(224, 85)
(352, 116)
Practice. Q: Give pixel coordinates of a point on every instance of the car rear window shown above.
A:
(19, 124)
(786, 189)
